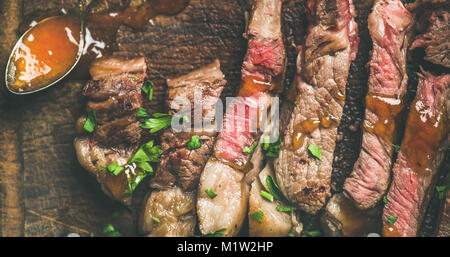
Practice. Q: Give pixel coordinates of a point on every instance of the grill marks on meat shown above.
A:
(114, 96)
(436, 39)
(179, 165)
(322, 69)
(390, 25)
(422, 151)
(262, 76)
(179, 171)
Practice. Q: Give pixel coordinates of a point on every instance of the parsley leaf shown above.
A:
(257, 216)
(314, 233)
(210, 193)
(141, 113)
(267, 195)
(115, 169)
(315, 150)
(250, 149)
(396, 148)
(156, 220)
(110, 231)
(272, 149)
(218, 233)
(385, 200)
(274, 188)
(158, 122)
(442, 190)
(194, 143)
(147, 88)
(392, 219)
(91, 121)
(284, 208)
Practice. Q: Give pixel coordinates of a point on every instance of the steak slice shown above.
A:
(422, 151)
(181, 166)
(114, 96)
(322, 69)
(389, 25)
(436, 39)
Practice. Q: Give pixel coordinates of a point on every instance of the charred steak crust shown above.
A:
(322, 69)
(436, 37)
(181, 166)
(390, 25)
(422, 151)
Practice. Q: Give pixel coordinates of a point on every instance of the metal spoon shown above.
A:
(10, 69)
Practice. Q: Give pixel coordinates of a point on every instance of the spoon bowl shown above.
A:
(46, 76)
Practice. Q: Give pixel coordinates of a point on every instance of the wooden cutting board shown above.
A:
(43, 189)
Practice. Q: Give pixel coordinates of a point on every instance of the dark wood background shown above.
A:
(43, 189)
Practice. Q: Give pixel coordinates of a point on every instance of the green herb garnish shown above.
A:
(392, 219)
(290, 235)
(218, 233)
(110, 231)
(210, 193)
(250, 149)
(257, 216)
(147, 88)
(194, 143)
(314, 233)
(91, 121)
(156, 220)
(272, 149)
(315, 150)
(115, 169)
(274, 188)
(385, 200)
(442, 190)
(396, 148)
(158, 122)
(284, 208)
(267, 195)
(141, 113)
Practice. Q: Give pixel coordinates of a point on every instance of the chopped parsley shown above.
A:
(158, 122)
(385, 200)
(272, 149)
(396, 148)
(91, 121)
(274, 188)
(442, 190)
(392, 219)
(194, 143)
(156, 220)
(315, 150)
(250, 149)
(266, 195)
(147, 88)
(218, 233)
(284, 208)
(110, 231)
(115, 169)
(210, 193)
(290, 235)
(314, 233)
(141, 113)
(257, 216)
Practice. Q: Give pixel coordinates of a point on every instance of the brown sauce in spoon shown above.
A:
(100, 40)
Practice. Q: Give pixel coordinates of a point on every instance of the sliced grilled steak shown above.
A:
(179, 171)
(114, 95)
(423, 148)
(436, 39)
(389, 25)
(180, 165)
(262, 77)
(322, 70)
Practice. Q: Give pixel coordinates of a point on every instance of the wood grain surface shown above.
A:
(43, 189)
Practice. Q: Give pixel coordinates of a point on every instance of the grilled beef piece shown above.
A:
(177, 176)
(422, 151)
(262, 76)
(389, 25)
(114, 96)
(322, 69)
(180, 165)
(436, 38)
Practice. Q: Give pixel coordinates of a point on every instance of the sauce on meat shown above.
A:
(46, 52)
(308, 126)
(387, 110)
(423, 135)
(51, 47)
